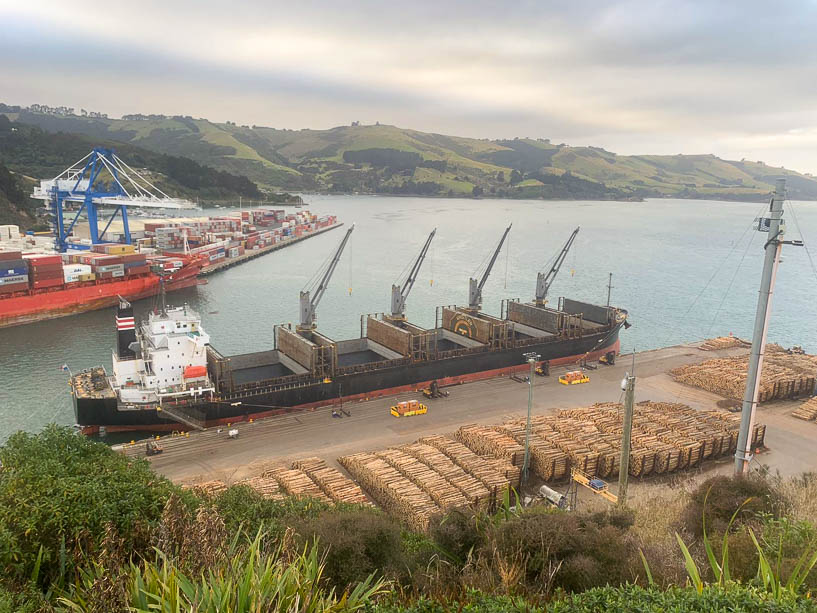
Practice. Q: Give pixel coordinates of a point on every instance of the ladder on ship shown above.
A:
(184, 415)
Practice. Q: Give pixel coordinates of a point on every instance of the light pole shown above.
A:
(532, 359)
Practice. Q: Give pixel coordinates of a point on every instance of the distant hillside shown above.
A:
(31, 151)
(387, 159)
(15, 205)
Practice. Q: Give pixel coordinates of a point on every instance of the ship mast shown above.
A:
(773, 224)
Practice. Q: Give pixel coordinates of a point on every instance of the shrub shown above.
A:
(356, 543)
(246, 579)
(724, 495)
(242, 507)
(58, 490)
(456, 534)
(578, 551)
(736, 599)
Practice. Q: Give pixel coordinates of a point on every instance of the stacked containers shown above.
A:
(13, 272)
(45, 271)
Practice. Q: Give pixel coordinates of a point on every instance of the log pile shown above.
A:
(296, 482)
(472, 488)
(546, 460)
(785, 375)
(492, 473)
(392, 491)
(210, 488)
(333, 483)
(807, 410)
(485, 440)
(267, 487)
(723, 342)
(439, 489)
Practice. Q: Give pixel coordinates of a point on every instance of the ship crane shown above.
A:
(545, 280)
(308, 305)
(399, 294)
(474, 287)
(100, 178)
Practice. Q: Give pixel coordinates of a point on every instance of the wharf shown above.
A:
(368, 426)
(255, 253)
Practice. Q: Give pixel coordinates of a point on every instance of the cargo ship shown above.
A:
(166, 375)
(34, 287)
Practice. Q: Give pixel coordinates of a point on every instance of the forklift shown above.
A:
(543, 370)
(608, 359)
(434, 391)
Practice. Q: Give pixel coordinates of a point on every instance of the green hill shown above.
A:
(388, 159)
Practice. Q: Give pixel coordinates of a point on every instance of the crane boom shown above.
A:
(545, 280)
(308, 305)
(474, 287)
(398, 294)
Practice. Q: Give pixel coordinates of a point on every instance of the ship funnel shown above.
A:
(125, 330)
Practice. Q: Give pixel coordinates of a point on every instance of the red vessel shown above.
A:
(31, 304)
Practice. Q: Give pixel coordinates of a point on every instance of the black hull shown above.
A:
(104, 412)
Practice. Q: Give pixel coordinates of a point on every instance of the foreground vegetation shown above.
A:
(85, 529)
(391, 160)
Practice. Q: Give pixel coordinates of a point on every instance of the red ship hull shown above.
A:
(36, 305)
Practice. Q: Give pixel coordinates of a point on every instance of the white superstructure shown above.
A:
(169, 361)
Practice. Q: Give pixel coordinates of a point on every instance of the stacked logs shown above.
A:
(267, 487)
(485, 440)
(546, 460)
(494, 474)
(210, 488)
(807, 410)
(784, 375)
(392, 491)
(334, 484)
(439, 489)
(723, 342)
(474, 490)
(296, 482)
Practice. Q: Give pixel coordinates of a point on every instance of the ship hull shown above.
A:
(91, 413)
(33, 306)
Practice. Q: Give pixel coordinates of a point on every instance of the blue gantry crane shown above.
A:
(100, 179)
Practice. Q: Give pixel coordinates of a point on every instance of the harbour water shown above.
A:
(684, 269)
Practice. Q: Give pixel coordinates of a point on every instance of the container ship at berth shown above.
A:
(167, 376)
(34, 287)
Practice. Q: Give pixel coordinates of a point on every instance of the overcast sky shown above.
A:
(738, 79)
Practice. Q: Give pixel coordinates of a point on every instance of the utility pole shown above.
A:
(775, 227)
(628, 385)
(532, 359)
(609, 288)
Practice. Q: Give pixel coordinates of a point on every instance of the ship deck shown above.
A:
(93, 383)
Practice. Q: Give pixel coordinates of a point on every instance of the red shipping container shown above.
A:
(13, 287)
(46, 268)
(133, 257)
(36, 260)
(47, 283)
(137, 270)
(10, 255)
(46, 275)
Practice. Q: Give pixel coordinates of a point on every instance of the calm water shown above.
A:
(662, 254)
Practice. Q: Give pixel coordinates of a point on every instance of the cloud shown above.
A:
(632, 76)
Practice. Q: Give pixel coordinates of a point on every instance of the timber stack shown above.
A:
(474, 490)
(296, 482)
(392, 491)
(723, 342)
(785, 375)
(808, 410)
(334, 484)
